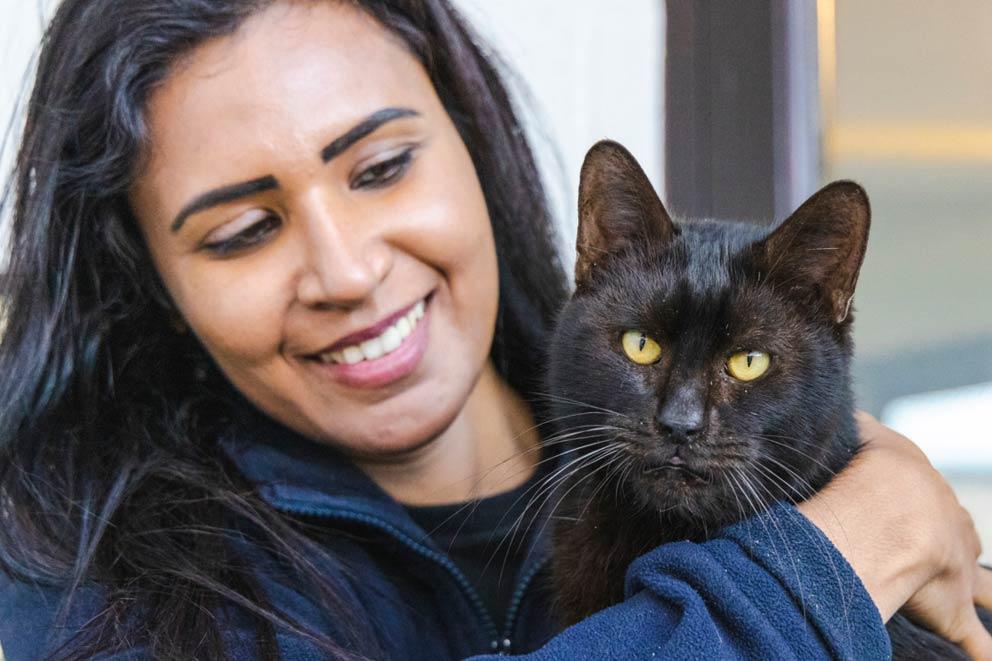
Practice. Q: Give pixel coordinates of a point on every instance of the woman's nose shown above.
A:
(344, 261)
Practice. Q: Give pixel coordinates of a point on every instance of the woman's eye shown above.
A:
(383, 173)
(748, 365)
(640, 348)
(246, 238)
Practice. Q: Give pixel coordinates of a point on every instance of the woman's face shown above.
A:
(320, 226)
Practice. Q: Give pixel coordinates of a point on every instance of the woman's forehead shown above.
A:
(287, 79)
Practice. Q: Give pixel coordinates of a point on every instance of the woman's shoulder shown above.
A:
(36, 617)
(37, 620)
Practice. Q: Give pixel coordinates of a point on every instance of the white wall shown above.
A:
(21, 23)
(594, 69)
(20, 29)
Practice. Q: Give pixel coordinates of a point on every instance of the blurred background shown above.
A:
(741, 110)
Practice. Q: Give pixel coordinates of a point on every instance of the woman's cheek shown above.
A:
(453, 228)
(236, 312)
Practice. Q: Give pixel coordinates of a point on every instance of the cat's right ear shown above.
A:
(817, 251)
(618, 209)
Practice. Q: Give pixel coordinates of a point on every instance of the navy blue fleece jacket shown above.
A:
(772, 587)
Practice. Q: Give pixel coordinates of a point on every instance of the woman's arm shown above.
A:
(899, 524)
(775, 586)
(772, 587)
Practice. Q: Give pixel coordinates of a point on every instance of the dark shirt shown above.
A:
(488, 539)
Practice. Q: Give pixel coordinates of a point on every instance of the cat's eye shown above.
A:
(640, 348)
(748, 365)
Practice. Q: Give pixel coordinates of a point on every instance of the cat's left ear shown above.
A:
(821, 246)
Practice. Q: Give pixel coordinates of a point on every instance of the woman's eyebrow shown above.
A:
(222, 195)
(233, 192)
(363, 128)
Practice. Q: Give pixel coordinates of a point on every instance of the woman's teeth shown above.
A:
(387, 342)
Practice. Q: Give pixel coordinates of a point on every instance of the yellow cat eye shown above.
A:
(640, 348)
(748, 365)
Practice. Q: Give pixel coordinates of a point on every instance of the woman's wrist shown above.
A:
(890, 572)
(887, 513)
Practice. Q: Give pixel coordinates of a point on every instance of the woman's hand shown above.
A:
(899, 524)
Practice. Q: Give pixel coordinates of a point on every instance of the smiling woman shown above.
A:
(281, 280)
(305, 180)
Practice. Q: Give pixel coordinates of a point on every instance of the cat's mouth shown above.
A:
(678, 465)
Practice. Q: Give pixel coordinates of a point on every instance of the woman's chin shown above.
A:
(397, 440)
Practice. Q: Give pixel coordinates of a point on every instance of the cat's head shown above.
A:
(704, 364)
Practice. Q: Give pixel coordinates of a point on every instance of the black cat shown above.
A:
(716, 357)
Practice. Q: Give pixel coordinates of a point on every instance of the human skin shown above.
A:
(329, 256)
(899, 524)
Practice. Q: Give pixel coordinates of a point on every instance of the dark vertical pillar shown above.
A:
(731, 91)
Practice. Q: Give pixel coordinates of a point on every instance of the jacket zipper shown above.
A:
(506, 642)
(424, 551)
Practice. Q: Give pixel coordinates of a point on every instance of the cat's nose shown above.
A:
(682, 416)
(681, 431)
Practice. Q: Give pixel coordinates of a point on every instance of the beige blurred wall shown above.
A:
(912, 120)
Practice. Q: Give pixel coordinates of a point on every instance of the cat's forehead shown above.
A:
(711, 254)
(704, 277)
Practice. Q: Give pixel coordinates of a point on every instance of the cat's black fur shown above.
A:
(670, 446)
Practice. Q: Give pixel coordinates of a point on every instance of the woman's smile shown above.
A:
(378, 355)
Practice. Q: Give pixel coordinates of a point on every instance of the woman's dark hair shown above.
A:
(110, 472)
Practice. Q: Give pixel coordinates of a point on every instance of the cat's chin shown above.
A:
(672, 489)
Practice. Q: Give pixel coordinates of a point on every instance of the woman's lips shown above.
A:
(386, 369)
(370, 332)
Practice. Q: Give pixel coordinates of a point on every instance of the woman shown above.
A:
(278, 289)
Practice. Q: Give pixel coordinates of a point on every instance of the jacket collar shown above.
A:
(293, 473)
(297, 475)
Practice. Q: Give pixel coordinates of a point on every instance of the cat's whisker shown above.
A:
(778, 441)
(735, 487)
(738, 481)
(578, 482)
(785, 541)
(791, 493)
(802, 481)
(571, 437)
(756, 504)
(740, 507)
(547, 495)
(606, 454)
(821, 542)
(558, 456)
(618, 464)
(548, 484)
(550, 421)
(567, 400)
(577, 432)
(753, 485)
(623, 478)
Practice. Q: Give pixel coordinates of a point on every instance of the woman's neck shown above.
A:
(489, 448)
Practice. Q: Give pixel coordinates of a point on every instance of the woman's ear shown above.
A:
(618, 208)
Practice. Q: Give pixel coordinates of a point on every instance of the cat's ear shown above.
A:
(618, 208)
(820, 247)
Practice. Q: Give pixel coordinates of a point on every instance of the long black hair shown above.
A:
(110, 472)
